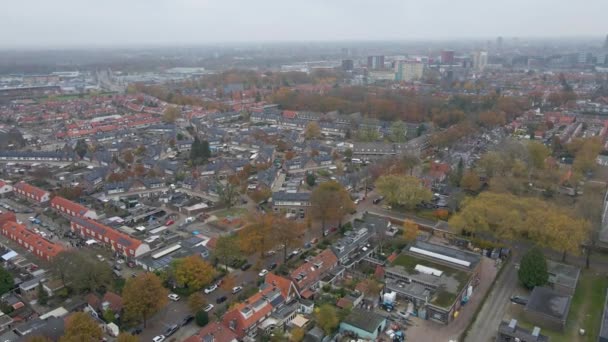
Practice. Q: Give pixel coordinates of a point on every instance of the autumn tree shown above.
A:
(297, 334)
(38, 339)
(538, 152)
(312, 130)
(327, 318)
(257, 236)
(171, 114)
(193, 272)
(228, 193)
(330, 201)
(410, 230)
(126, 337)
(287, 232)
(143, 296)
(470, 181)
(402, 190)
(226, 249)
(196, 301)
(81, 327)
(398, 131)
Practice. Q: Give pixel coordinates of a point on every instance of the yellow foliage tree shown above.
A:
(81, 327)
(410, 230)
(193, 272)
(143, 296)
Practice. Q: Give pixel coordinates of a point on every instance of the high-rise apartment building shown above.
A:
(408, 71)
(375, 62)
(447, 57)
(480, 60)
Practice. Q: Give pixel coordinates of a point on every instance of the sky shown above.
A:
(73, 23)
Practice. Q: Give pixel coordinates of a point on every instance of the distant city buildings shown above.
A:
(447, 57)
(375, 62)
(408, 71)
(480, 60)
(348, 65)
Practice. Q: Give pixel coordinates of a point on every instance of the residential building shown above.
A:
(480, 60)
(118, 241)
(308, 276)
(348, 65)
(447, 57)
(511, 332)
(109, 301)
(295, 203)
(363, 324)
(353, 247)
(213, 332)
(31, 192)
(36, 244)
(408, 71)
(70, 208)
(5, 188)
(563, 278)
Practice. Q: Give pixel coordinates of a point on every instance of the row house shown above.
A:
(307, 278)
(27, 239)
(307, 164)
(36, 156)
(296, 203)
(31, 192)
(70, 208)
(118, 241)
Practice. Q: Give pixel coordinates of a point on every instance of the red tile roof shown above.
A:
(41, 247)
(285, 285)
(99, 232)
(30, 189)
(59, 202)
(219, 333)
(236, 319)
(311, 272)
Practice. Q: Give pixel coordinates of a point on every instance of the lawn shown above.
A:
(585, 312)
(443, 298)
(231, 213)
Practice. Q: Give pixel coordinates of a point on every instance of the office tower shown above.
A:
(375, 62)
(348, 65)
(447, 57)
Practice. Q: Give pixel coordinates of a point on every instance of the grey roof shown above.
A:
(364, 320)
(562, 274)
(604, 326)
(550, 303)
(473, 258)
(511, 329)
(52, 328)
(291, 196)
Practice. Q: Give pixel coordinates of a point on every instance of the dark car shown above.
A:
(245, 267)
(187, 320)
(171, 330)
(519, 300)
(221, 299)
(136, 331)
(272, 266)
(377, 200)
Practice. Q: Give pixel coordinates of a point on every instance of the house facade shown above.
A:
(31, 192)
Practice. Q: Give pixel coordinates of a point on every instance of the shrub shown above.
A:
(533, 269)
(202, 318)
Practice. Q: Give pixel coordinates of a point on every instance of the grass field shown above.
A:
(585, 313)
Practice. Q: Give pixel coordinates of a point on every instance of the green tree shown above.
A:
(398, 131)
(202, 318)
(226, 250)
(81, 148)
(311, 179)
(126, 337)
(81, 327)
(538, 152)
(43, 296)
(143, 296)
(199, 151)
(533, 269)
(470, 181)
(402, 190)
(109, 316)
(228, 193)
(348, 153)
(327, 318)
(81, 271)
(6, 281)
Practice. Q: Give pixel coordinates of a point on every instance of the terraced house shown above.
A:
(31, 192)
(118, 241)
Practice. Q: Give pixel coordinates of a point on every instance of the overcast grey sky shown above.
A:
(138, 22)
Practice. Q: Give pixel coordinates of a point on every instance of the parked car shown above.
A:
(519, 300)
(377, 200)
(169, 222)
(208, 308)
(272, 266)
(211, 288)
(245, 267)
(173, 297)
(171, 330)
(221, 299)
(136, 331)
(236, 289)
(187, 320)
(263, 272)
(158, 338)
(100, 257)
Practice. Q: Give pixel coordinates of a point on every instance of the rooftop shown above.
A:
(364, 320)
(562, 274)
(549, 303)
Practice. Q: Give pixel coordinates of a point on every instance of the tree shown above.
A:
(226, 249)
(38, 339)
(409, 162)
(470, 181)
(410, 230)
(199, 151)
(127, 156)
(399, 190)
(81, 148)
(287, 232)
(311, 179)
(143, 296)
(171, 114)
(109, 316)
(538, 152)
(81, 327)
(193, 272)
(398, 131)
(126, 337)
(202, 318)
(533, 269)
(228, 193)
(297, 334)
(330, 201)
(259, 235)
(312, 130)
(327, 318)
(43, 296)
(348, 153)
(82, 272)
(196, 301)
(6, 281)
